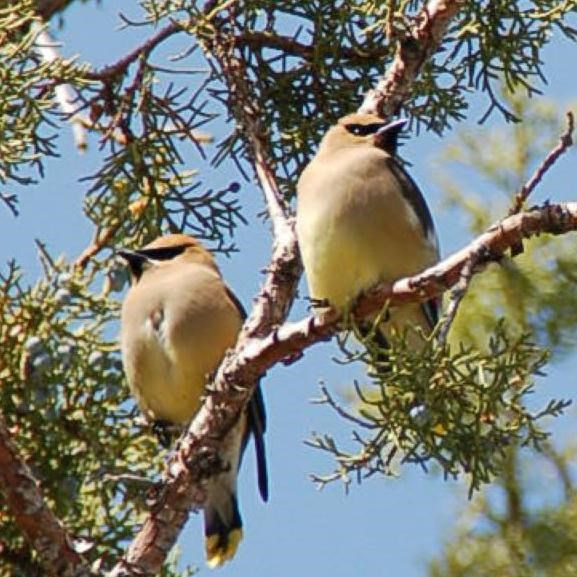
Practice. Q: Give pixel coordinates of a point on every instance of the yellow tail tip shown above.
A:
(219, 552)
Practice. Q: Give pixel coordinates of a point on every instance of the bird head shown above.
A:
(364, 130)
(166, 250)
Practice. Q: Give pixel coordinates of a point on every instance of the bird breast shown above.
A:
(176, 330)
(354, 226)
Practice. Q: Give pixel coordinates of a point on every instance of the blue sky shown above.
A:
(384, 527)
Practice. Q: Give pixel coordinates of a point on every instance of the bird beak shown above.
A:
(136, 260)
(386, 136)
(131, 256)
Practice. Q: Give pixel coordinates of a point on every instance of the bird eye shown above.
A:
(364, 129)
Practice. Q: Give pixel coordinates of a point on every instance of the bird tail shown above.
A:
(222, 527)
(222, 521)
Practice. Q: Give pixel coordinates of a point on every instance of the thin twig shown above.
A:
(458, 293)
(256, 39)
(565, 141)
(248, 119)
(100, 242)
(11, 201)
(107, 73)
(329, 399)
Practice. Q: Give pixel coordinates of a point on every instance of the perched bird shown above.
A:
(361, 220)
(178, 319)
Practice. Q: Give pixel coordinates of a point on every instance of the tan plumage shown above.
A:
(178, 320)
(362, 220)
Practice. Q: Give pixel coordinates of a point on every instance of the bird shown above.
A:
(361, 220)
(177, 321)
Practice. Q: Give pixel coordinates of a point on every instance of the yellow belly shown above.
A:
(345, 254)
(162, 390)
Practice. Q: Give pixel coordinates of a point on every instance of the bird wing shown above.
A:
(256, 419)
(415, 198)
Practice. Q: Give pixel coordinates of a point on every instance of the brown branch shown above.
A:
(253, 356)
(457, 295)
(565, 141)
(100, 242)
(248, 120)
(111, 71)
(413, 51)
(38, 524)
(256, 39)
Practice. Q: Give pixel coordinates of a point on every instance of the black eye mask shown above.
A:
(137, 259)
(364, 129)
(164, 253)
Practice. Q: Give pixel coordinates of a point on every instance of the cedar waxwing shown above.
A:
(178, 320)
(361, 220)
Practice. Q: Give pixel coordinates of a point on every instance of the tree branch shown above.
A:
(413, 51)
(457, 295)
(248, 120)
(99, 242)
(256, 39)
(292, 338)
(565, 141)
(38, 524)
(109, 72)
(234, 382)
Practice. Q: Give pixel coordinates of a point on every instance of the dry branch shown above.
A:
(565, 141)
(120, 67)
(264, 40)
(413, 51)
(293, 338)
(253, 356)
(38, 524)
(458, 293)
